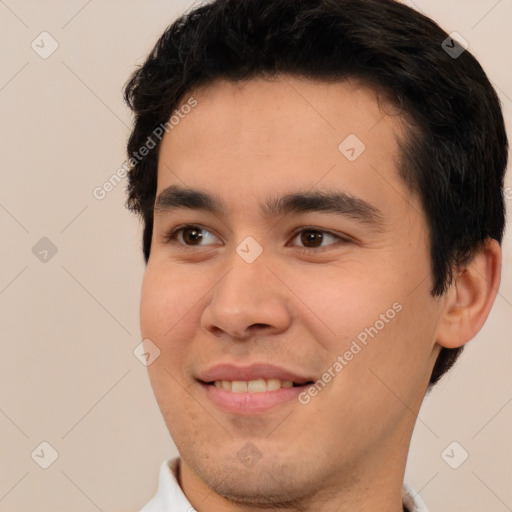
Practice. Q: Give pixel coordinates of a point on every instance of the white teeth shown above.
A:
(252, 386)
(256, 386)
(239, 386)
(273, 384)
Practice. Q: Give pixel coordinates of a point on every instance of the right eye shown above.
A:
(190, 235)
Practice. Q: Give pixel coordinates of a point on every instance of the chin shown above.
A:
(277, 490)
(268, 482)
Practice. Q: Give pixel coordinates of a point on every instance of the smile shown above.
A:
(253, 386)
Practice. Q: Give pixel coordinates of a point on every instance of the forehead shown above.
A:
(257, 110)
(264, 134)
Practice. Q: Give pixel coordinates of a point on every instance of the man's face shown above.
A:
(342, 280)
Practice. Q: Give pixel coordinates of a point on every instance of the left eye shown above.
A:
(313, 238)
(193, 236)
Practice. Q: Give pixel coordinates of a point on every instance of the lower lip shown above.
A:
(250, 403)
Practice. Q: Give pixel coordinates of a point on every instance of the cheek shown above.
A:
(167, 302)
(153, 300)
(166, 318)
(169, 316)
(343, 301)
(377, 315)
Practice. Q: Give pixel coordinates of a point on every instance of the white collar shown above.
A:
(170, 497)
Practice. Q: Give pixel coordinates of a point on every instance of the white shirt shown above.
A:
(170, 498)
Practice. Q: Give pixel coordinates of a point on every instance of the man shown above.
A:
(321, 191)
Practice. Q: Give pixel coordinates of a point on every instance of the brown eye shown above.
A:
(192, 236)
(311, 238)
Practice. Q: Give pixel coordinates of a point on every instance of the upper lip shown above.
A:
(256, 371)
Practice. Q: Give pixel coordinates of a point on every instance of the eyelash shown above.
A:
(170, 237)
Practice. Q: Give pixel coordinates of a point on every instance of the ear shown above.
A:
(470, 297)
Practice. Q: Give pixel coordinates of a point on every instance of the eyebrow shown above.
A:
(177, 197)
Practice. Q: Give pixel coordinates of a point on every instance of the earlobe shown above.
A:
(470, 297)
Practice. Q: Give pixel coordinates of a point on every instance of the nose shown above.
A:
(248, 301)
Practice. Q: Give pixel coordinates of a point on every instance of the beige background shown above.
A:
(68, 375)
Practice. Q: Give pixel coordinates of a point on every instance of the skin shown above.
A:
(298, 307)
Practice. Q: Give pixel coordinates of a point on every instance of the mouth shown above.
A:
(252, 389)
(256, 385)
